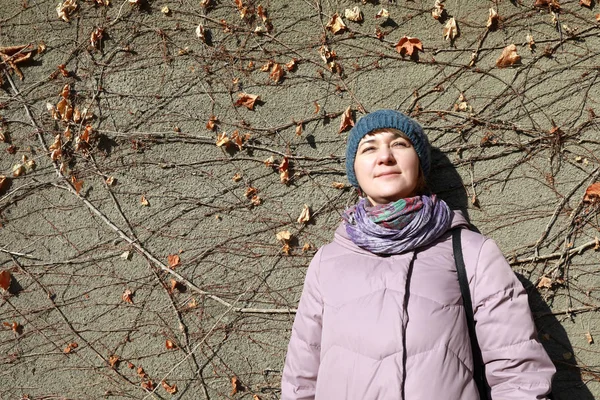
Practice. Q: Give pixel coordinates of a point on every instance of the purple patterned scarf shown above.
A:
(397, 227)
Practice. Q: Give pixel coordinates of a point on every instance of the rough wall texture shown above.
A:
(101, 209)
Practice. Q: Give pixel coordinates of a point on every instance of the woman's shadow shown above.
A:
(567, 384)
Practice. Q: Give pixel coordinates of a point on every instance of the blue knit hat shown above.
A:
(387, 119)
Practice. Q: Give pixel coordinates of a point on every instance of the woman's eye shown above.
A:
(400, 144)
(365, 149)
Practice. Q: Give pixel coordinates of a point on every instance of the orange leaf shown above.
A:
(141, 373)
(113, 360)
(592, 193)
(508, 57)
(346, 121)
(70, 347)
(170, 345)
(127, 297)
(173, 260)
(5, 280)
(148, 385)
(14, 326)
(247, 100)
(77, 184)
(168, 388)
(409, 46)
(144, 201)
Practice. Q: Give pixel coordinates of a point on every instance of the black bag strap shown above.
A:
(478, 368)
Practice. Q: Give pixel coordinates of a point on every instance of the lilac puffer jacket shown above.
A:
(371, 327)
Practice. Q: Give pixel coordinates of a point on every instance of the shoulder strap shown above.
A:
(478, 368)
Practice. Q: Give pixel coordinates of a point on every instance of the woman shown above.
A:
(381, 313)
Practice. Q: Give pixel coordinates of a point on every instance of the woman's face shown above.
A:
(386, 166)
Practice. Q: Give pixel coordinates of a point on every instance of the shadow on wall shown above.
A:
(445, 181)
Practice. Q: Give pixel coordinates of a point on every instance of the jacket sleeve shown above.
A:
(517, 365)
(303, 356)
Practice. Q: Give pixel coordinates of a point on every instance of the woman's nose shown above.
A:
(385, 155)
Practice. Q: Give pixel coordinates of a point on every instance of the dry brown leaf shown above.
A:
(586, 3)
(170, 345)
(317, 107)
(148, 385)
(250, 191)
(299, 129)
(589, 338)
(70, 347)
(96, 37)
(4, 181)
(409, 46)
(338, 185)
(66, 9)
(141, 373)
(383, 13)
(212, 120)
(450, 30)
(493, 18)
(354, 15)
(307, 246)
(14, 326)
(77, 184)
(222, 140)
(247, 100)
(553, 5)
(266, 67)
(237, 177)
(592, 193)
(284, 174)
(144, 201)
(438, 10)
(236, 385)
(336, 25)
(304, 215)
(237, 139)
(347, 122)
(530, 41)
(597, 17)
(127, 297)
(508, 57)
(277, 73)
(256, 200)
(113, 360)
(545, 282)
(110, 181)
(173, 260)
(255, 397)
(292, 64)
(18, 170)
(284, 236)
(5, 280)
(170, 389)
